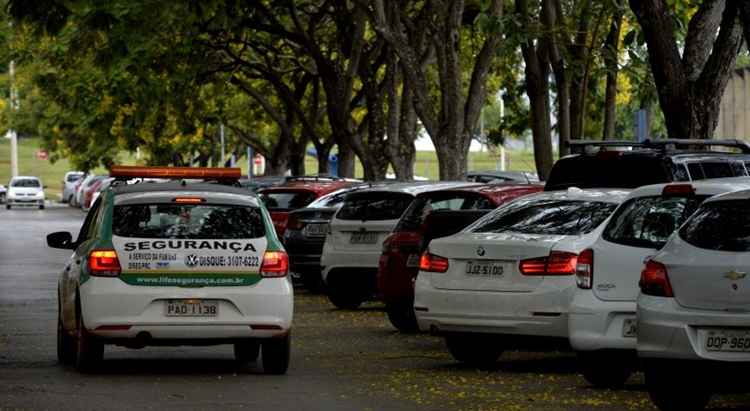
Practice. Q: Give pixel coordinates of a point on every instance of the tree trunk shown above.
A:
(406, 152)
(611, 50)
(345, 161)
(451, 162)
(278, 162)
(537, 88)
(323, 153)
(297, 159)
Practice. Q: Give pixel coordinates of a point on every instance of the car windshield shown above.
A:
(546, 216)
(187, 221)
(25, 183)
(374, 206)
(647, 222)
(73, 177)
(287, 200)
(721, 226)
(415, 215)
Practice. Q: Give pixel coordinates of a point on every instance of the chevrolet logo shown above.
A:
(735, 275)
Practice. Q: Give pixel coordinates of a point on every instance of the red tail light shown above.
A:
(433, 263)
(585, 269)
(275, 264)
(678, 190)
(655, 281)
(557, 263)
(104, 263)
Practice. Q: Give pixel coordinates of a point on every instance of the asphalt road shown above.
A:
(341, 360)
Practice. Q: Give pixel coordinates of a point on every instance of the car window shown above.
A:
(607, 170)
(551, 217)
(680, 172)
(374, 206)
(418, 210)
(718, 169)
(188, 221)
(290, 200)
(721, 225)
(25, 183)
(696, 171)
(647, 222)
(87, 228)
(73, 177)
(738, 168)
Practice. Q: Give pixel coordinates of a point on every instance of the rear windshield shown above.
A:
(647, 222)
(417, 212)
(723, 226)
(26, 182)
(374, 206)
(290, 200)
(187, 221)
(551, 217)
(717, 169)
(73, 177)
(612, 170)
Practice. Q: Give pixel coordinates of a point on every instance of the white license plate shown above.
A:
(727, 340)
(364, 237)
(316, 230)
(192, 308)
(413, 260)
(629, 327)
(485, 268)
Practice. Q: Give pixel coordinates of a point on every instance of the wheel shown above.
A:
(276, 353)
(344, 301)
(41, 207)
(672, 386)
(344, 293)
(89, 351)
(606, 369)
(402, 317)
(7, 206)
(477, 350)
(312, 281)
(66, 345)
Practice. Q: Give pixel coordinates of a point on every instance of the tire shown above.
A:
(276, 354)
(673, 387)
(41, 207)
(477, 350)
(7, 206)
(344, 301)
(66, 345)
(402, 317)
(89, 351)
(607, 369)
(345, 293)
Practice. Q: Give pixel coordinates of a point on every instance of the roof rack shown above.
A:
(667, 144)
(123, 173)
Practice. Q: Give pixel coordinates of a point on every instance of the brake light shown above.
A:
(585, 269)
(557, 263)
(655, 281)
(188, 200)
(275, 264)
(678, 190)
(433, 263)
(104, 263)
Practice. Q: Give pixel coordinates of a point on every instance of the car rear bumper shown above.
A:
(538, 313)
(667, 330)
(594, 324)
(113, 309)
(334, 260)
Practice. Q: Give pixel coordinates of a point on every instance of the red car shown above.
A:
(294, 194)
(434, 214)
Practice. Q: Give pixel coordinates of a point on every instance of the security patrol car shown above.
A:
(183, 262)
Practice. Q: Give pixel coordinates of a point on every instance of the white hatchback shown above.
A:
(25, 191)
(694, 307)
(507, 280)
(602, 321)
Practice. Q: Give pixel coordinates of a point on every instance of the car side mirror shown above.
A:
(61, 239)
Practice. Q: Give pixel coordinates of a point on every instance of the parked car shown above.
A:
(296, 193)
(353, 245)
(493, 176)
(602, 321)
(306, 231)
(25, 191)
(506, 281)
(68, 184)
(3, 193)
(694, 307)
(431, 215)
(85, 184)
(629, 164)
(103, 186)
(88, 192)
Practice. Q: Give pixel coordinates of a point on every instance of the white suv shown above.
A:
(506, 281)
(602, 323)
(694, 306)
(355, 240)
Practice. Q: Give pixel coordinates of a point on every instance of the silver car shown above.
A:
(69, 183)
(694, 306)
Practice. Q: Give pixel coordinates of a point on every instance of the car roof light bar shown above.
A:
(176, 173)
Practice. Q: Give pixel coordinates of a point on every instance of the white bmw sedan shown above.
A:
(507, 280)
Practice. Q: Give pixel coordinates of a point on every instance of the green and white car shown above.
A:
(175, 263)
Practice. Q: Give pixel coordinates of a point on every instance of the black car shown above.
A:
(629, 164)
(306, 232)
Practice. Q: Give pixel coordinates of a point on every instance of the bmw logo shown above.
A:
(480, 251)
(191, 260)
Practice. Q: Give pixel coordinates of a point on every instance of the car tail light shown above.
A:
(104, 263)
(678, 190)
(655, 281)
(557, 263)
(433, 263)
(394, 242)
(293, 222)
(275, 264)
(585, 269)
